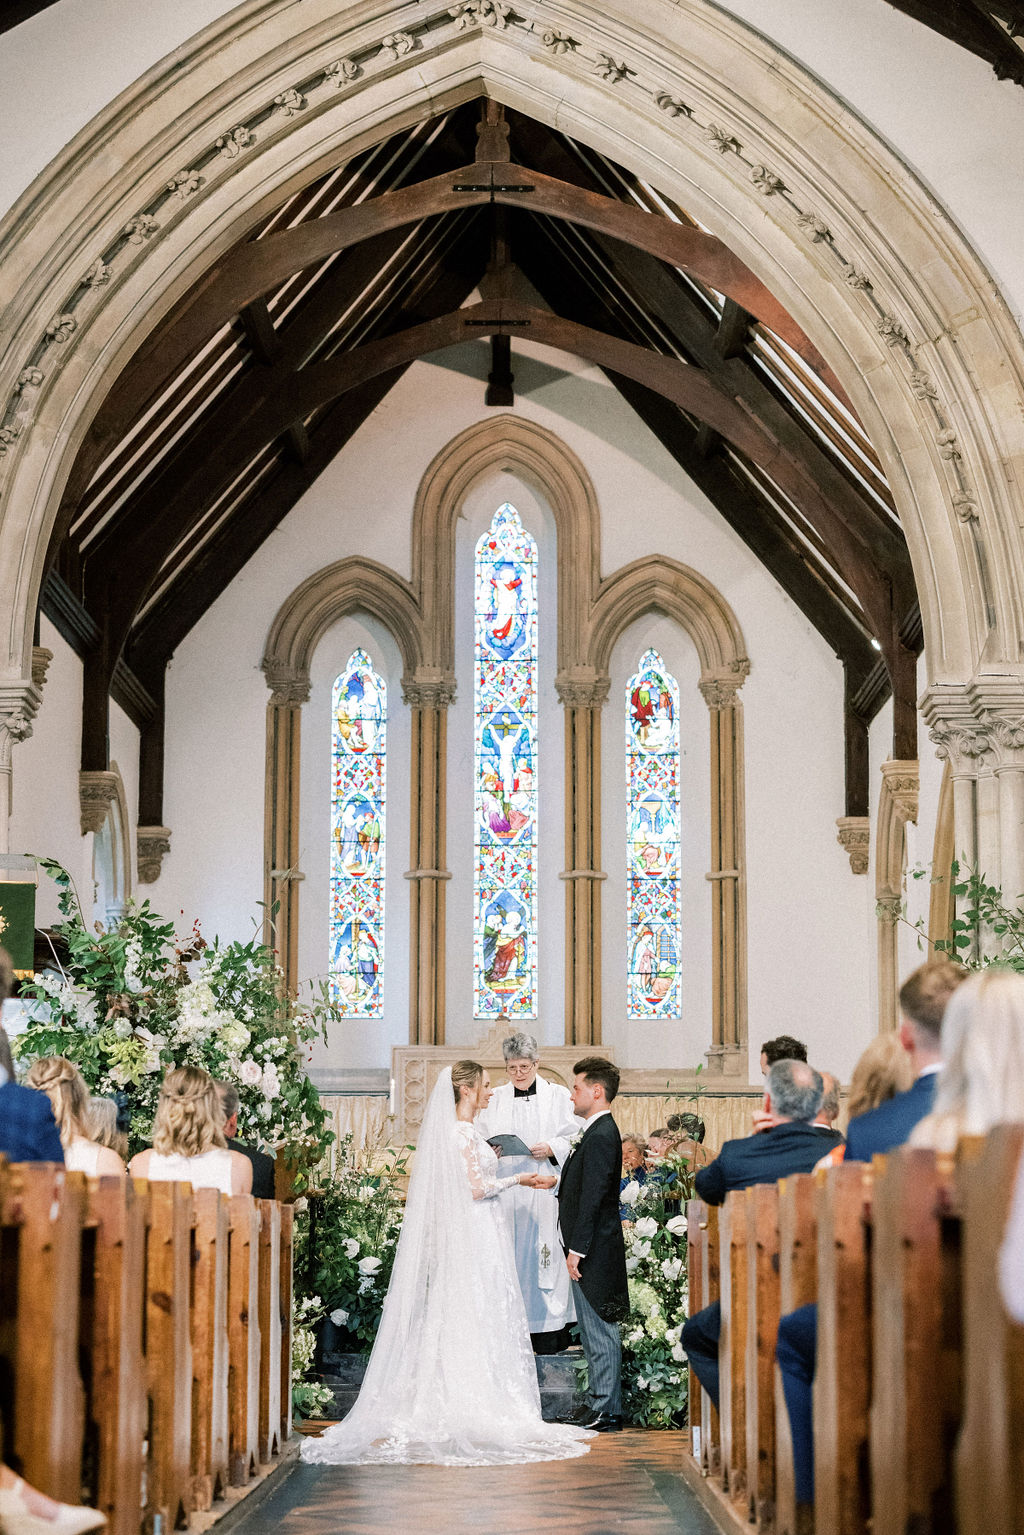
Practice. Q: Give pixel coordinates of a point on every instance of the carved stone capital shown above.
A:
(889, 909)
(152, 842)
(582, 688)
(719, 688)
(901, 780)
(853, 833)
(41, 658)
(288, 684)
(96, 792)
(19, 702)
(429, 688)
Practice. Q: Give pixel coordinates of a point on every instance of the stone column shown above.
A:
(582, 693)
(727, 1056)
(979, 730)
(289, 690)
(429, 692)
(19, 703)
(896, 806)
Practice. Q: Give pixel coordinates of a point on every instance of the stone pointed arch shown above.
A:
(348, 586)
(660, 585)
(552, 469)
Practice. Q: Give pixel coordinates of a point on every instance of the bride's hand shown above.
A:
(536, 1181)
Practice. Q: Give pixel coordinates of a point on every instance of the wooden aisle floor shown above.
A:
(629, 1482)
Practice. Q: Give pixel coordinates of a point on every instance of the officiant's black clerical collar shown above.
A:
(526, 1092)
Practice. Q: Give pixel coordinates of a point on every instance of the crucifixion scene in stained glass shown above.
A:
(654, 988)
(505, 770)
(358, 783)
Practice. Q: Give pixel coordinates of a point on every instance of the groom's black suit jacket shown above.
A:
(588, 1217)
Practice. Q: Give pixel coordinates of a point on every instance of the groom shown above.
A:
(588, 1217)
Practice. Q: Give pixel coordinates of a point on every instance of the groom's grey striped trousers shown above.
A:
(602, 1347)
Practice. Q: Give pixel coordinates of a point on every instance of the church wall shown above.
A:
(947, 114)
(806, 909)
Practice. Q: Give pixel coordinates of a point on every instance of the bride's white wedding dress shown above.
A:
(451, 1380)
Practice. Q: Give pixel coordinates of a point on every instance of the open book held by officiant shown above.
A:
(509, 1146)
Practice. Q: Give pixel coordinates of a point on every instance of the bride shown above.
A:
(451, 1380)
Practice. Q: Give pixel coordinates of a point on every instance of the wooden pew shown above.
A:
(168, 1345)
(915, 1401)
(990, 1450)
(270, 1329)
(285, 1312)
(798, 1286)
(243, 1339)
(210, 1349)
(112, 1322)
(762, 1243)
(842, 1383)
(42, 1211)
(696, 1256)
(732, 1347)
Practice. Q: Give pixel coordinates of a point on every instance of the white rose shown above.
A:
(632, 1264)
(271, 1083)
(249, 1073)
(351, 1247)
(677, 1225)
(646, 1227)
(339, 1317)
(369, 1265)
(630, 1194)
(678, 1353)
(672, 1268)
(642, 1250)
(641, 1384)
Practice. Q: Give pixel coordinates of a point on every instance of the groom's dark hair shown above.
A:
(594, 1069)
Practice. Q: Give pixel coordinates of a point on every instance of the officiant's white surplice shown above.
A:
(544, 1116)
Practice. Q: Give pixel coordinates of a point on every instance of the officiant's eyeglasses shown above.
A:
(519, 1067)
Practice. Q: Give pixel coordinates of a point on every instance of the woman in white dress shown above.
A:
(188, 1138)
(65, 1087)
(451, 1380)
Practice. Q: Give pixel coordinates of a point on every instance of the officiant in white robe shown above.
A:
(540, 1113)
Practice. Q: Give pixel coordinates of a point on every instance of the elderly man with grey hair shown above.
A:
(793, 1096)
(540, 1113)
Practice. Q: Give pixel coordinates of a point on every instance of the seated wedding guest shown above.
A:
(660, 1144)
(688, 1131)
(783, 1048)
(262, 1165)
(793, 1097)
(24, 1511)
(925, 997)
(188, 1138)
(1011, 1253)
(826, 1117)
(884, 1069)
(101, 1121)
(64, 1085)
(28, 1131)
(634, 1170)
(982, 1079)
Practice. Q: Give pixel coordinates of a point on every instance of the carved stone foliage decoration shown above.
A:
(288, 685)
(719, 689)
(429, 689)
(41, 658)
(853, 833)
(152, 842)
(902, 783)
(96, 793)
(582, 688)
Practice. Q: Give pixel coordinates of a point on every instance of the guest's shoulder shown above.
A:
(27, 1101)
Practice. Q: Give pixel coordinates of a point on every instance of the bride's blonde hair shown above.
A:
(465, 1074)
(64, 1085)
(189, 1118)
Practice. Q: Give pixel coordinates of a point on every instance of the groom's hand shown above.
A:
(572, 1263)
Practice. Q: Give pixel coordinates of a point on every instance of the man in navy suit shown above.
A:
(28, 1132)
(923, 998)
(791, 1145)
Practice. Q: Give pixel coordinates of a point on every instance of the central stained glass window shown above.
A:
(505, 770)
(358, 783)
(654, 986)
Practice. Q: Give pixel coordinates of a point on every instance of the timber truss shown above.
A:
(262, 373)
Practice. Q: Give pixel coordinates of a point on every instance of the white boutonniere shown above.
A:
(575, 1142)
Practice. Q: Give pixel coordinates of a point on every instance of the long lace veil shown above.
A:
(451, 1379)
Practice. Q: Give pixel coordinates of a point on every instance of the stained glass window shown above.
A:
(358, 782)
(505, 771)
(652, 783)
